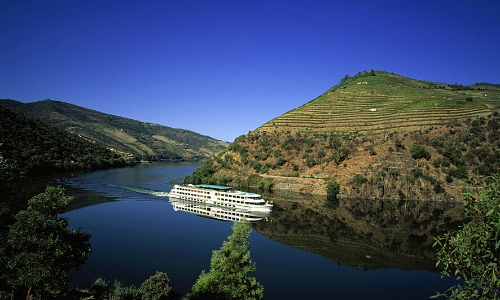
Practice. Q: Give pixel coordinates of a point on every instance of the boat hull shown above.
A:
(223, 198)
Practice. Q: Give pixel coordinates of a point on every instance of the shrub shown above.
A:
(224, 180)
(268, 185)
(359, 179)
(310, 161)
(394, 172)
(417, 172)
(418, 151)
(257, 166)
(399, 144)
(264, 168)
(121, 292)
(445, 162)
(100, 287)
(321, 154)
(437, 162)
(458, 172)
(279, 162)
(332, 190)
(289, 143)
(438, 189)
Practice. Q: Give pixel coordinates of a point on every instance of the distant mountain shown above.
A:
(122, 135)
(32, 148)
(377, 134)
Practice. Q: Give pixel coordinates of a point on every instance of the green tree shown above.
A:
(100, 287)
(41, 249)
(358, 180)
(7, 169)
(332, 190)
(344, 79)
(228, 277)
(335, 146)
(157, 287)
(121, 292)
(472, 252)
(418, 151)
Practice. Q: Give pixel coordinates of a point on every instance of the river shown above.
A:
(306, 249)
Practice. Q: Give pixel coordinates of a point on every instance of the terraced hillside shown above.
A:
(376, 135)
(376, 102)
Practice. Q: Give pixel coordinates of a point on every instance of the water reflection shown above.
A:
(217, 212)
(363, 233)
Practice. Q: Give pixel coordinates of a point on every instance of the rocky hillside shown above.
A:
(124, 136)
(378, 135)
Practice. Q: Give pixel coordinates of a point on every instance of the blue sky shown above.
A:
(223, 68)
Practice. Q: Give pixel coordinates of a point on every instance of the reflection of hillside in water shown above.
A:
(369, 234)
(216, 212)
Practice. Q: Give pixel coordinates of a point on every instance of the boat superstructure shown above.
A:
(217, 212)
(221, 195)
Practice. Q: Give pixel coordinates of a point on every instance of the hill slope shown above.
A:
(377, 134)
(377, 102)
(36, 148)
(124, 135)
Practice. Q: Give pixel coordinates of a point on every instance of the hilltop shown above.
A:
(380, 102)
(377, 134)
(122, 135)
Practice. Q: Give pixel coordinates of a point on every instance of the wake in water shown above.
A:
(142, 191)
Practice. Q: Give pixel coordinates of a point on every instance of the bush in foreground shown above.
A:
(472, 252)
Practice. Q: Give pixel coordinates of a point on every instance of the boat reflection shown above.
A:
(217, 212)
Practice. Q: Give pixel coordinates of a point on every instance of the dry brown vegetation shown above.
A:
(361, 136)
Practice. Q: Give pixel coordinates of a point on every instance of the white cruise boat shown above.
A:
(217, 212)
(222, 196)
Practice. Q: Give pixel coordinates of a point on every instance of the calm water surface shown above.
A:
(136, 232)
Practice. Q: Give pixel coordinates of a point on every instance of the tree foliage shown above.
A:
(157, 287)
(100, 287)
(7, 169)
(472, 252)
(332, 190)
(41, 249)
(228, 277)
(121, 292)
(204, 174)
(418, 151)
